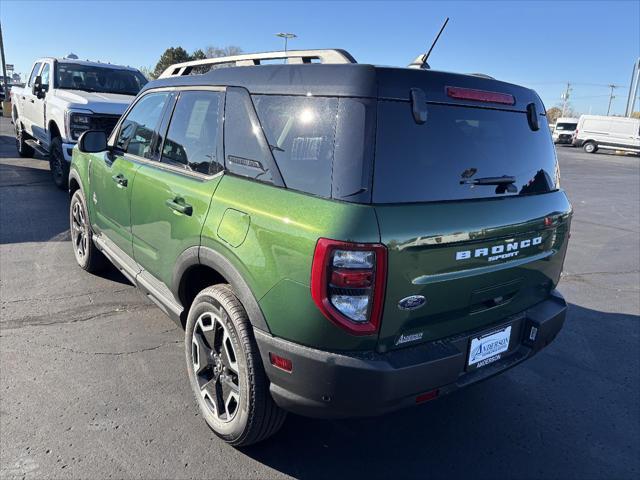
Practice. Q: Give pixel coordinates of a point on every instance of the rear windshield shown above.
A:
(457, 146)
(566, 126)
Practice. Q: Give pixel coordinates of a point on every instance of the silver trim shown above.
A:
(252, 59)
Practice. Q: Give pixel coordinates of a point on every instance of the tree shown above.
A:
(169, 57)
(215, 52)
(198, 55)
(635, 115)
(553, 114)
(147, 72)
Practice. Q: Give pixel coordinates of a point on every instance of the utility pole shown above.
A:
(565, 98)
(4, 66)
(633, 89)
(611, 97)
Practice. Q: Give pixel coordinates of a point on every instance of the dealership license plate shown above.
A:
(489, 348)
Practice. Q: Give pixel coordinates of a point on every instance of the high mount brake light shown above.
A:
(348, 282)
(480, 95)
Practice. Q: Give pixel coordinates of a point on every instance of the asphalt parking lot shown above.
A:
(93, 383)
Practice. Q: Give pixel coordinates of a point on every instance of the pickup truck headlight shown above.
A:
(78, 123)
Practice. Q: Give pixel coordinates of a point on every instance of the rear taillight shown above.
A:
(348, 282)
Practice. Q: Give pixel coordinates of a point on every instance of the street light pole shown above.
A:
(286, 37)
(4, 67)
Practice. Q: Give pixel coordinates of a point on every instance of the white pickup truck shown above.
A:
(65, 97)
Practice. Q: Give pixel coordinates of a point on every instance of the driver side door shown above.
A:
(112, 174)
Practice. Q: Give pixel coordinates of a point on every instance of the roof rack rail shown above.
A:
(251, 59)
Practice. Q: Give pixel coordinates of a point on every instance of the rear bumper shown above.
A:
(337, 385)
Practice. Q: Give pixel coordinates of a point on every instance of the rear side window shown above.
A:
(137, 129)
(247, 152)
(440, 159)
(301, 134)
(45, 76)
(192, 138)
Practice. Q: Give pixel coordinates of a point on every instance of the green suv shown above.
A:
(336, 239)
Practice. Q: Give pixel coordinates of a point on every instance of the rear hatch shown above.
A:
(464, 254)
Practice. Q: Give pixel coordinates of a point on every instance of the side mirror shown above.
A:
(36, 88)
(92, 141)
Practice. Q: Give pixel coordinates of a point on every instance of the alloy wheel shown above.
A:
(215, 366)
(79, 231)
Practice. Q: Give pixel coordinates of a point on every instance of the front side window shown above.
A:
(192, 138)
(301, 134)
(137, 129)
(34, 73)
(45, 76)
(89, 78)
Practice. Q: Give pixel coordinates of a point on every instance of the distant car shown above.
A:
(65, 97)
(612, 133)
(563, 129)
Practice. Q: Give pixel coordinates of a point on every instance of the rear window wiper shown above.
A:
(504, 183)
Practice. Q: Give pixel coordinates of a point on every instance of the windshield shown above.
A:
(566, 126)
(459, 153)
(71, 76)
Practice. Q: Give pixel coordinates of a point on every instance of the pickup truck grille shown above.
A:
(104, 122)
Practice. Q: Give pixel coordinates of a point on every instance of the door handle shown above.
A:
(179, 206)
(120, 180)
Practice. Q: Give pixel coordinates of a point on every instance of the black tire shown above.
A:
(215, 318)
(24, 150)
(58, 165)
(87, 254)
(590, 147)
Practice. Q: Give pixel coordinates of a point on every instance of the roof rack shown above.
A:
(246, 60)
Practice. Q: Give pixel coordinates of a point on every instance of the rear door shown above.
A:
(172, 194)
(476, 253)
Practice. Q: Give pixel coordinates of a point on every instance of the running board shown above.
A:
(37, 147)
(153, 288)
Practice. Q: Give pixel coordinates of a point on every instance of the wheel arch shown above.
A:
(54, 130)
(74, 183)
(199, 267)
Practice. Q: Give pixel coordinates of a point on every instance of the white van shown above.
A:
(563, 129)
(613, 133)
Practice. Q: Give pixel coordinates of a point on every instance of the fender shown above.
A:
(206, 256)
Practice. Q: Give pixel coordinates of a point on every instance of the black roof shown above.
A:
(349, 80)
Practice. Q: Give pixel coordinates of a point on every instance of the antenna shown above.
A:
(421, 60)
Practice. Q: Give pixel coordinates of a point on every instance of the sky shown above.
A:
(539, 44)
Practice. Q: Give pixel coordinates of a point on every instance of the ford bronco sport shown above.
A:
(336, 239)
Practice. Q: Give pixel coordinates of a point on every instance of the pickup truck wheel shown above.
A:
(24, 150)
(87, 254)
(58, 165)
(225, 369)
(590, 147)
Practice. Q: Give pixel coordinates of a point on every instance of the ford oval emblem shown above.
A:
(412, 302)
